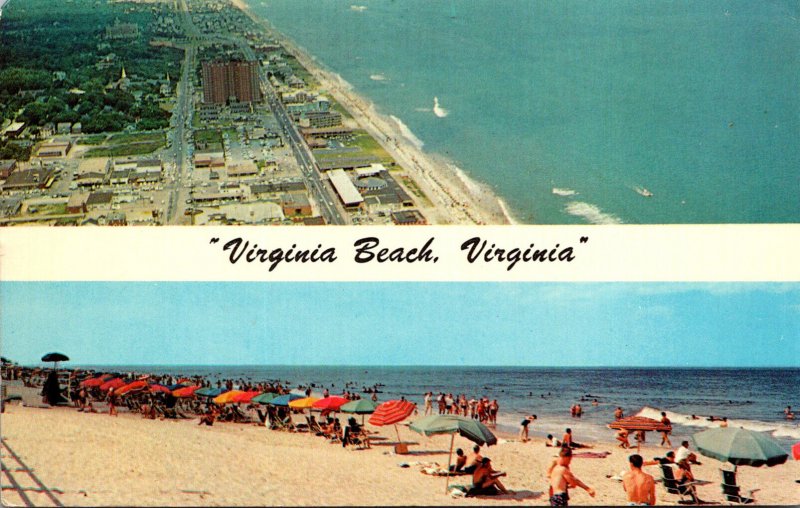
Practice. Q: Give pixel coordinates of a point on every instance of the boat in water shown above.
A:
(437, 109)
(644, 192)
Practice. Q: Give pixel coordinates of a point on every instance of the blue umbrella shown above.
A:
(283, 400)
(210, 392)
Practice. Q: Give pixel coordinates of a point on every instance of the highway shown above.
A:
(181, 186)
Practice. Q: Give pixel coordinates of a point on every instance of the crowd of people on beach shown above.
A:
(158, 401)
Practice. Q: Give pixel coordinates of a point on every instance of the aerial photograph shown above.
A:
(300, 112)
(249, 394)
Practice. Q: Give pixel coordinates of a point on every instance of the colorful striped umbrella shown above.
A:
(332, 403)
(635, 423)
(391, 412)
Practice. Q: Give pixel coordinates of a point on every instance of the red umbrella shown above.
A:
(131, 387)
(114, 383)
(185, 392)
(245, 396)
(93, 382)
(391, 412)
(155, 387)
(332, 403)
(796, 451)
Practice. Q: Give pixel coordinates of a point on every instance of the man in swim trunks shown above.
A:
(561, 479)
(638, 485)
(485, 477)
(474, 460)
(665, 433)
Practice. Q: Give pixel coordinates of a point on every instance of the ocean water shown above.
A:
(751, 398)
(566, 108)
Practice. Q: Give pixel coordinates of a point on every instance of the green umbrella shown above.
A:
(264, 398)
(452, 424)
(360, 407)
(740, 447)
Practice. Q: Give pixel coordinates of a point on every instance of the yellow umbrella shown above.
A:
(303, 403)
(227, 397)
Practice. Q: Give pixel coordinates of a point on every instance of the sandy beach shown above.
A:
(96, 459)
(456, 198)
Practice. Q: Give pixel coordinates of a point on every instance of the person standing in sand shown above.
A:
(639, 486)
(523, 431)
(428, 403)
(561, 479)
(665, 433)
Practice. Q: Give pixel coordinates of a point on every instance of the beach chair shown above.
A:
(731, 490)
(673, 486)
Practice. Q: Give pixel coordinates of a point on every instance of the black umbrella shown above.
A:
(55, 357)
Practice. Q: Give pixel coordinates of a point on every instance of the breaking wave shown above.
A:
(774, 428)
(406, 132)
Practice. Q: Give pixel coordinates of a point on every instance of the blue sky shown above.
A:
(529, 324)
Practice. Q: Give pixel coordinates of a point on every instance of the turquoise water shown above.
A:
(698, 102)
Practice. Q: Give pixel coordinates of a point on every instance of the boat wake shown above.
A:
(358, 8)
(774, 428)
(564, 192)
(438, 110)
(591, 213)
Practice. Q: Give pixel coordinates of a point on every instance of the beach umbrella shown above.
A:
(55, 358)
(360, 407)
(227, 397)
(392, 412)
(185, 392)
(332, 403)
(740, 447)
(93, 382)
(264, 398)
(155, 388)
(176, 386)
(796, 451)
(246, 396)
(639, 423)
(132, 387)
(471, 429)
(283, 400)
(210, 392)
(304, 403)
(113, 383)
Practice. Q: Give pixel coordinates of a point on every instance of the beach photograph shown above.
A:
(300, 112)
(423, 393)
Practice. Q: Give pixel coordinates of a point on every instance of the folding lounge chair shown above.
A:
(673, 486)
(732, 491)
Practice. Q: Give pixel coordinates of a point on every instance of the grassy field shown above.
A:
(119, 150)
(92, 139)
(212, 136)
(365, 147)
(412, 187)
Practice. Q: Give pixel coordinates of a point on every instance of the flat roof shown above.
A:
(345, 188)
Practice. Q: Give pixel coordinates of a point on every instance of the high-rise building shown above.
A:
(224, 81)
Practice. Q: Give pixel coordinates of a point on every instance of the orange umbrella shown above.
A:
(245, 396)
(304, 403)
(93, 382)
(639, 424)
(114, 383)
(131, 387)
(227, 397)
(185, 392)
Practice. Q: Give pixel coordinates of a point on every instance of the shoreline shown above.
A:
(456, 197)
(96, 460)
